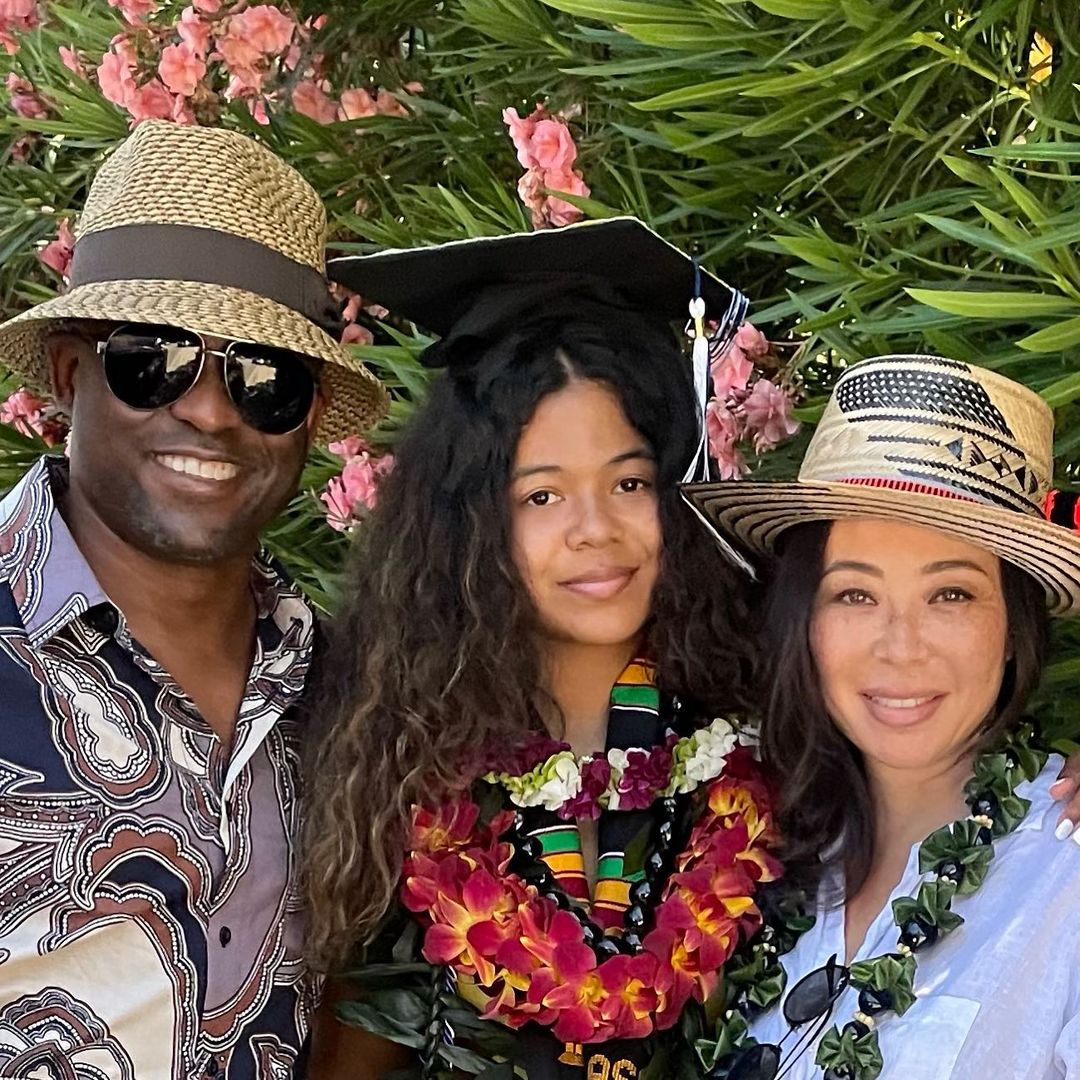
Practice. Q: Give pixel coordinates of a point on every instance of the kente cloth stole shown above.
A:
(634, 720)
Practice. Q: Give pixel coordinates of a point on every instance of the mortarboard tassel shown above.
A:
(699, 469)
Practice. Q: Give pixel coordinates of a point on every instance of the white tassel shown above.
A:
(699, 467)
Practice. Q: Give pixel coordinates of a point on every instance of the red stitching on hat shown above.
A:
(1048, 505)
(906, 485)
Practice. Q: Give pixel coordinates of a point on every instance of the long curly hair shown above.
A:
(434, 654)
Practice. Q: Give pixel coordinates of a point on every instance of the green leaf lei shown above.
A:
(958, 855)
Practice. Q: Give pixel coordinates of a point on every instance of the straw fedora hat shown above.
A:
(208, 230)
(929, 441)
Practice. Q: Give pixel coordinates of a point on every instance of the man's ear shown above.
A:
(64, 353)
(323, 395)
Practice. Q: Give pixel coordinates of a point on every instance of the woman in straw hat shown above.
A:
(533, 646)
(905, 627)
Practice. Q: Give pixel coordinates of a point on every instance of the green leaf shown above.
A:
(993, 305)
(1062, 335)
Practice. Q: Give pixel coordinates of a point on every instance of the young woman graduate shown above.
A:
(528, 681)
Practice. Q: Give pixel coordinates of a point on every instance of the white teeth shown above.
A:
(206, 470)
(901, 703)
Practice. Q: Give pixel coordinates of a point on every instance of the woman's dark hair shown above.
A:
(824, 795)
(433, 655)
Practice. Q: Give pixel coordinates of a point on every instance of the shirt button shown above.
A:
(224, 936)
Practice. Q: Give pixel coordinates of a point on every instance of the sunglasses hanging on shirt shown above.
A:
(151, 367)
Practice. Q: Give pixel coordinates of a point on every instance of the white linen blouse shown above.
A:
(999, 997)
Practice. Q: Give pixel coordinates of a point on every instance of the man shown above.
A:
(150, 658)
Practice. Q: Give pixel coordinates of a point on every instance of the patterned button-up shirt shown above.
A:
(149, 925)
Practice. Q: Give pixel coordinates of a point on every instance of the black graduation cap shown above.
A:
(619, 260)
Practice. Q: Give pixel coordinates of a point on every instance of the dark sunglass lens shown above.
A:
(148, 367)
(761, 1062)
(815, 994)
(272, 388)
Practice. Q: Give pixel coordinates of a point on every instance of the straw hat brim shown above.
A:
(357, 399)
(757, 514)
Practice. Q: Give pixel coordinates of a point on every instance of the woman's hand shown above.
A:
(1066, 789)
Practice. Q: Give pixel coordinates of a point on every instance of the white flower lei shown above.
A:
(696, 759)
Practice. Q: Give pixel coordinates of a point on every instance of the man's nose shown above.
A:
(207, 405)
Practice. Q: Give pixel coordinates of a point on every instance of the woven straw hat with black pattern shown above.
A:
(207, 230)
(929, 441)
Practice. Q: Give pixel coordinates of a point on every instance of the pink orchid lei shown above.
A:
(620, 779)
(527, 959)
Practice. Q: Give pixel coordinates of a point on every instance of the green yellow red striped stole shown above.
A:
(634, 719)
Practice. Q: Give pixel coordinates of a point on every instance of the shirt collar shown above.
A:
(50, 580)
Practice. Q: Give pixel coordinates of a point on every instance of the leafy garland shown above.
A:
(958, 855)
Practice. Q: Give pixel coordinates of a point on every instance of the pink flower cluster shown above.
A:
(56, 254)
(182, 69)
(31, 416)
(546, 151)
(346, 496)
(758, 411)
(24, 99)
(16, 16)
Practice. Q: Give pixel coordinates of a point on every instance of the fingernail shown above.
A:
(1076, 837)
(1059, 785)
(1064, 830)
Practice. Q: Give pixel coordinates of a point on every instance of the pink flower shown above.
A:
(521, 132)
(115, 78)
(257, 108)
(265, 27)
(357, 486)
(194, 33)
(309, 100)
(349, 447)
(24, 99)
(357, 103)
(722, 427)
(151, 101)
(531, 192)
(235, 52)
(207, 7)
(30, 415)
(245, 82)
(16, 15)
(646, 772)
(57, 253)
(731, 372)
(767, 412)
(559, 211)
(71, 61)
(552, 146)
(595, 774)
(181, 69)
(182, 112)
(21, 148)
(752, 341)
(354, 303)
(388, 105)
(355, 334)
(134, 11)
(413, 87)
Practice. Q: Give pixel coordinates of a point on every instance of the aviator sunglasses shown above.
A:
(811, 999)
(149, 367)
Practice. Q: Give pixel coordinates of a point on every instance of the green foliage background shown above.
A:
(879, 176)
